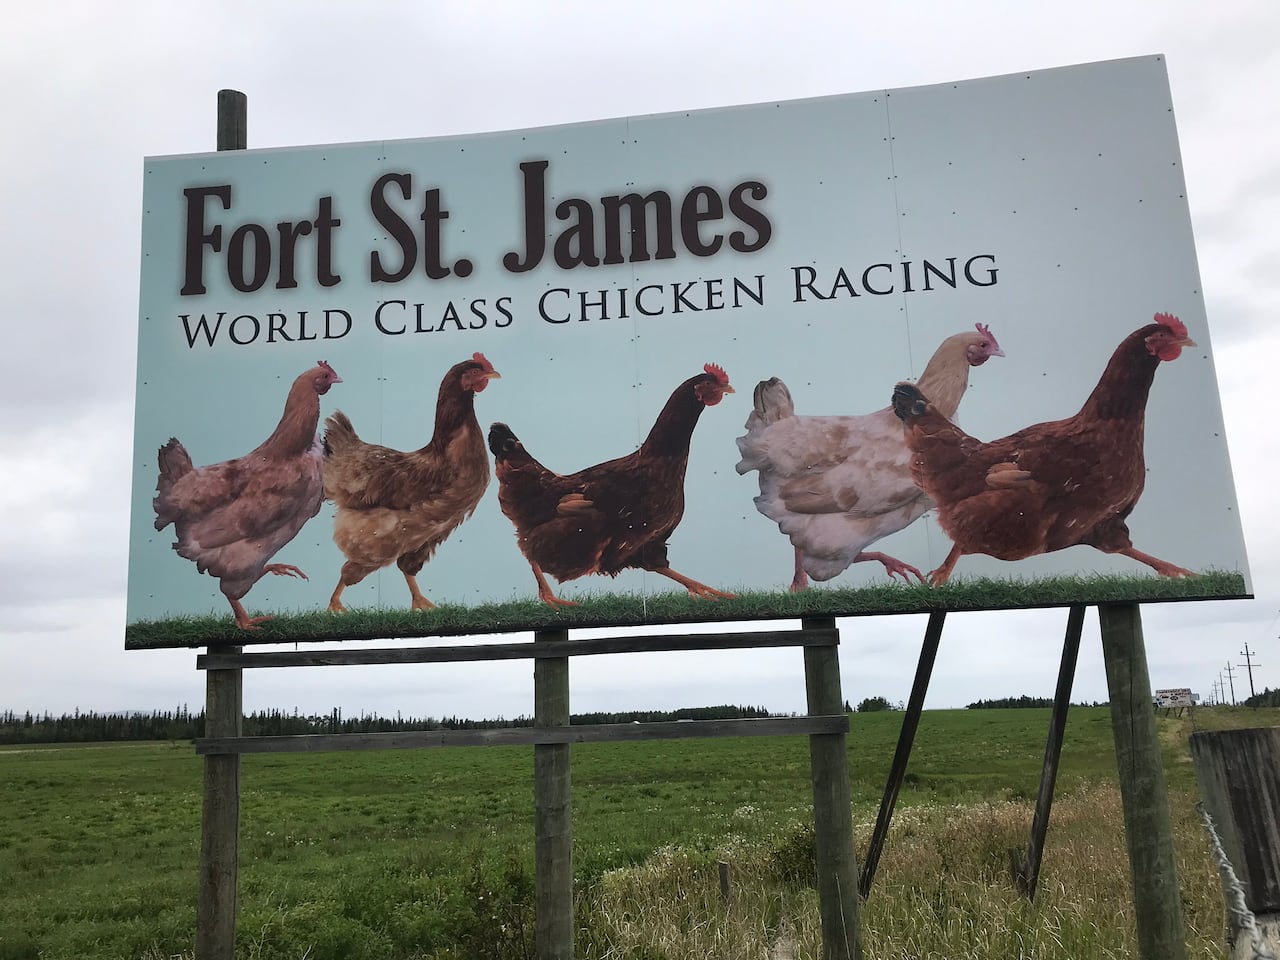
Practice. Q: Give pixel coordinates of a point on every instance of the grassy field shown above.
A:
(615, 610)
(425, 855)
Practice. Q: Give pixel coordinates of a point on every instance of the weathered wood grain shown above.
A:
(457, 653)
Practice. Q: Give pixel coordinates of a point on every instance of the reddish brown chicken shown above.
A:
(1050, 485)
(615, 515)
(398, 505)
(232, 517)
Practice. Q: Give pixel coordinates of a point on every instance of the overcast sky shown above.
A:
(89, 90)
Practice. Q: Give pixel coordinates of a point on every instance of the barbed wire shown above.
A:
(1233, 891)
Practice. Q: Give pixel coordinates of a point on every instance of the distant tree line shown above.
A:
(1015, 703)
(182, 724)
(1267, 698)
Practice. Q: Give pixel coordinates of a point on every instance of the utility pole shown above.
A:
(1217, 690)
(1249, 665)
(1232, 681)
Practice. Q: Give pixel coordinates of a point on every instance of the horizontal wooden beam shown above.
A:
(524, 736)
(520, 650)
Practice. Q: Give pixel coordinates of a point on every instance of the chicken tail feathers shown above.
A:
(502, 441)
(908, 402)
(174, 463)
(772, 401)
(339, 434)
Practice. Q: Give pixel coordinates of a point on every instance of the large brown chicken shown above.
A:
(1051, 485)
(232, 517)
(398, 505)
(612, 516)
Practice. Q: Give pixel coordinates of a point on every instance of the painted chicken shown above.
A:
(232, 517)
(399, 506)
(614, 515)
(835, 485)
(1050, 485)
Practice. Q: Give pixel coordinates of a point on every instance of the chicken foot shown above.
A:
(940, 576)
(1162, 567)
(419, 601)
(545, 593)
(695, 588)
(243, 620)
(892, 565)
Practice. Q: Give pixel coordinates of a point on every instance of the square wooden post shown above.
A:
(1148, 825)
(553, 808)
(216, 907)
(832, 805)
(217, 902)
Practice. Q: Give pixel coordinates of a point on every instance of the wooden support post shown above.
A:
(553, 815)
(220, 820)
(1239, 776)
(1026, 873)
(217, 901)
(832, 806)
(1148, 825)
(906, 737)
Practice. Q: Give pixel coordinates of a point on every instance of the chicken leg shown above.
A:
(545, 593)
(695, 588)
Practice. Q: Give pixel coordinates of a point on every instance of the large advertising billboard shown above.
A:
(938, 347)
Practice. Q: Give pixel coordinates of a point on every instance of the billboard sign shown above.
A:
(689, 367)
(1175, 697)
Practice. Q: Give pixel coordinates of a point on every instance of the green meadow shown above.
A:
(426, 855)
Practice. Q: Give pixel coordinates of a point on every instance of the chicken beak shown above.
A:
(493, 375)
(1184, 342)
(729, 389)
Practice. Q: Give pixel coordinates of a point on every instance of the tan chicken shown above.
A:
(399, 506)
(837, 484)
(232, 517)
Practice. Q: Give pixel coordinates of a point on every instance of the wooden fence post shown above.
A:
(217, 902)
(1239, 775)
(832, 810)
(553, 816)
(1148, 825)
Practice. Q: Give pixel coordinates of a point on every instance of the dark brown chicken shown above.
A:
(1051, 485)
(232, 517)
(399, 506)
(612, 516)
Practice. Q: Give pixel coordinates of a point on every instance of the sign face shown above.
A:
(622, 297)
(1175, 697)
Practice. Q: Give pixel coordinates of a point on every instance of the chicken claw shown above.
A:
(243, 620)
(892, 566)
(695, 588)
(545, 593)
(283, 570)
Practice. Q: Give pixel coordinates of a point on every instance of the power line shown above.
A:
(1249, 664)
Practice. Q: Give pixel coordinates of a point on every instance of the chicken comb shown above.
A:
(1173, 323)
(325, 364)
(717, 371)
(485, 365)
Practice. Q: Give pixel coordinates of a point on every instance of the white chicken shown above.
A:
(837, 484)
